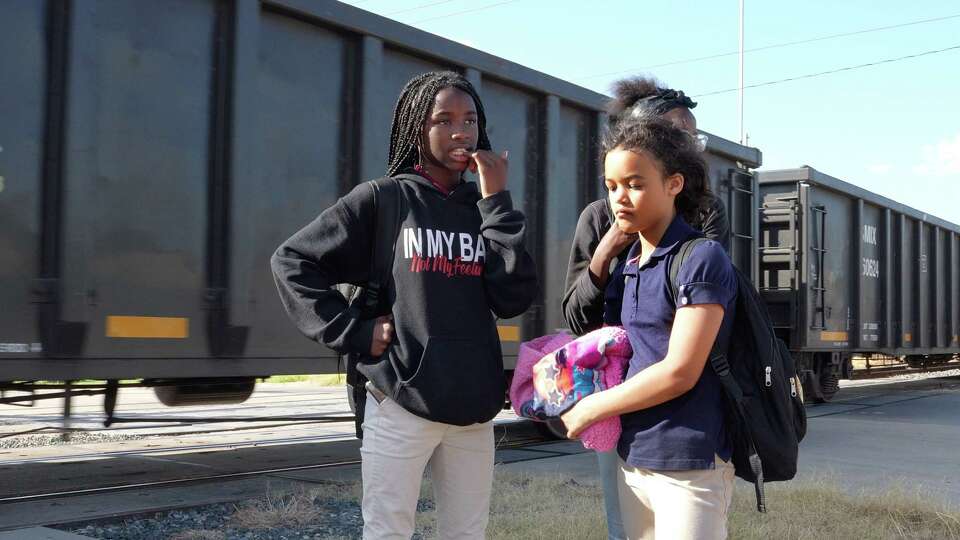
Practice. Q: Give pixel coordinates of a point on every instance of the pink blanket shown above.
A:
(605, 351)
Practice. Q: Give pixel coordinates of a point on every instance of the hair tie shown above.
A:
(661, 103)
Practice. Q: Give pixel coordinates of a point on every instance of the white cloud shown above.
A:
(933, 186)
(940, 159)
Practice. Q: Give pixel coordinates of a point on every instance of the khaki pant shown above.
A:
(675, 505)
(396, 448)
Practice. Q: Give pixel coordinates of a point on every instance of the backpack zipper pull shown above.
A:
(793, 387)
(769, 371)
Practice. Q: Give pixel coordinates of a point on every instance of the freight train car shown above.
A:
(845, 271)
(154, 154)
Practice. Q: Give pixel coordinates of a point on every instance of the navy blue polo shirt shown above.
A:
(686, 432)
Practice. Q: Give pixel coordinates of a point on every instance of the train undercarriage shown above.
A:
(820, 372)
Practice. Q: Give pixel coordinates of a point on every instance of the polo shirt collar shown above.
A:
(677, 232)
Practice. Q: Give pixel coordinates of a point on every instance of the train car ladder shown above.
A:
(819, 249)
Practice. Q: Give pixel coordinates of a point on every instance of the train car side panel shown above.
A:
(21, 154)
(908, 291)
(941, 303)
(954, 294)
(830, 255)
(137, 169)
(570, 168)
(888, 279)
(508, 106)
(870, 300)
(295, 171)
(922, 286)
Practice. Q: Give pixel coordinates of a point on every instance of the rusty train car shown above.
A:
(154, 154)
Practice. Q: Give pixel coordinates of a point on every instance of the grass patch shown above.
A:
(545, 507)
(820, 508)
(551, 507)
(335, 379)
(276, 510)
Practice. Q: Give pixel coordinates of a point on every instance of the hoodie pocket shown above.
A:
(458, 381)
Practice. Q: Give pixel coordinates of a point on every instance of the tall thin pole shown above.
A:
(740, 87)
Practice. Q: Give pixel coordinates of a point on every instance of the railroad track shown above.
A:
(505, 443)
(145, 418)
(903, 369)
(141, 432)
(180, 448)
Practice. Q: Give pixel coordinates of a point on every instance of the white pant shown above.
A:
(675, 505)
(396, 448)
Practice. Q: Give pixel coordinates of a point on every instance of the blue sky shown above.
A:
(893, 128)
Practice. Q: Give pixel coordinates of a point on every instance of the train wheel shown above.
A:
(204, 391)
(939, 359)
(916, 361)
(829, 384)
(810, 387)
(821, 384)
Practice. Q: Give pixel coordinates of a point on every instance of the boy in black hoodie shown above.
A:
(434, 361)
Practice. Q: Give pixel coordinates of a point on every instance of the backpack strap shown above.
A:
(720, 365)
(388, 204)
(734, 394)
(685, 250)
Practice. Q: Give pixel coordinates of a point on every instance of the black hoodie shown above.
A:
(459, 261)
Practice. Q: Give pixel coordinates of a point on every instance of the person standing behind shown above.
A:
(434, 361)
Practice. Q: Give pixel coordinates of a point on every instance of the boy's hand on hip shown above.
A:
(382, 335)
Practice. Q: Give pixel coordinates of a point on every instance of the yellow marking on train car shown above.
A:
(908, 337)
(509, 333)
(148, 327)
(833, 336)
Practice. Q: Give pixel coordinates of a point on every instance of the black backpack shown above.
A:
(765, 417)
(370, 299)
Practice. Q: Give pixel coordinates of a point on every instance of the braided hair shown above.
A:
(414, 105)
(675, 152)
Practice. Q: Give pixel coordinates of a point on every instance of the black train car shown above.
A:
(154, 154)
(845, 271)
